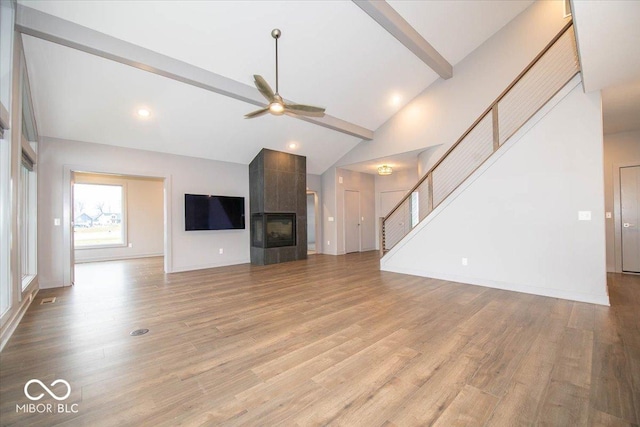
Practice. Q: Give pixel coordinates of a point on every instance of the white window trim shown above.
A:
(5, 226)
(32, 223)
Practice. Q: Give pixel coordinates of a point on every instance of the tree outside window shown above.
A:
(98, 218)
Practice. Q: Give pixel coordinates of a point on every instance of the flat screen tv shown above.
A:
(204, 212)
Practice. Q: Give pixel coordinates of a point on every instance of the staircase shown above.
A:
(547, 74)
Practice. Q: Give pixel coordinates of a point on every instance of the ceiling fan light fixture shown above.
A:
(276, 108)
(385, 170)
(276, 105)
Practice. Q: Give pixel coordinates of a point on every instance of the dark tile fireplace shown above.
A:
(278, 205)
(273, 230)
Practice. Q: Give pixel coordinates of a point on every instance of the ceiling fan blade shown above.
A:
(263, 87)
(257, 113)
(304, 110)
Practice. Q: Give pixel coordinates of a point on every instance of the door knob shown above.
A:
(627, 225)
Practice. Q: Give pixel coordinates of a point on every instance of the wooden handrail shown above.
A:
(482, 116)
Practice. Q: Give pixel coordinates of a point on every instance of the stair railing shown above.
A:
(549, 72)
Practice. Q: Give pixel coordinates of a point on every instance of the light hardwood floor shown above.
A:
(331, 340)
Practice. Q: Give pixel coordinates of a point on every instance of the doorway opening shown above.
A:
(312, 223)
(110, 218)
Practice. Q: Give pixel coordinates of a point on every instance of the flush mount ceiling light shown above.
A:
(385, 170)
(277, 106)
(292, 145)
(143, 112)
(395, 100)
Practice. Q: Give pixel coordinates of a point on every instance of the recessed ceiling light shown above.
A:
(396, 99)
(143, 112)
(292, 145)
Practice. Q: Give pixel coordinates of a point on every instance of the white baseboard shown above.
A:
(13, 323)
(514, 287)
(205, 266)
(116, 258)
(51, 285)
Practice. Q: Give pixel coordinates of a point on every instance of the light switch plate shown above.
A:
(56, 221)
(584, 215)
(330, 219)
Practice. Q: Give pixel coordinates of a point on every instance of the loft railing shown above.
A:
(549, 72)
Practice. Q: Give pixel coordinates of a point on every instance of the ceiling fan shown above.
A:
(277, 106)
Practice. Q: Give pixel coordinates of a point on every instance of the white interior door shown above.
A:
(630, 216)
(352, 221)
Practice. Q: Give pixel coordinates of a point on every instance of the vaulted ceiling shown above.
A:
(332, 54)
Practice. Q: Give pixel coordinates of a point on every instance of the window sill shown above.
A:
(119, 245)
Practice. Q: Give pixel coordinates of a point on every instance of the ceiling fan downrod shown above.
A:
(276, 33)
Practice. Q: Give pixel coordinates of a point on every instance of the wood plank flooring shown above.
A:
(326, 341)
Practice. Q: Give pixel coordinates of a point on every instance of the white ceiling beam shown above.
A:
(398, 27)
(57, 30)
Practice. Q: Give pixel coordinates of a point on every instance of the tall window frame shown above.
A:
(6, 293)
(28, 219)
(27, 188)
(7, 16)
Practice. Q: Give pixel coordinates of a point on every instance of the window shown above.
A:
(28, 220)
(6, 53)
(415, 208)
(5, 226)
(98, 219)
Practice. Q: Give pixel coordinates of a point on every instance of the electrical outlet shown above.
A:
(221, 251)
(130, 245)
(328, 242)
(465, 261)
(339, 180)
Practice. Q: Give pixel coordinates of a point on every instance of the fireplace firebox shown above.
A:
(273, 230)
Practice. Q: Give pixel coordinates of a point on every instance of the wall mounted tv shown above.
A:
(204, 212)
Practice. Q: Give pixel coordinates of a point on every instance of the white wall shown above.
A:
(620, 149)
(188, 250)
(400, 182)
(443, 111)
(329, 229)
(144, 218)
(517, 222)
(428, 158)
